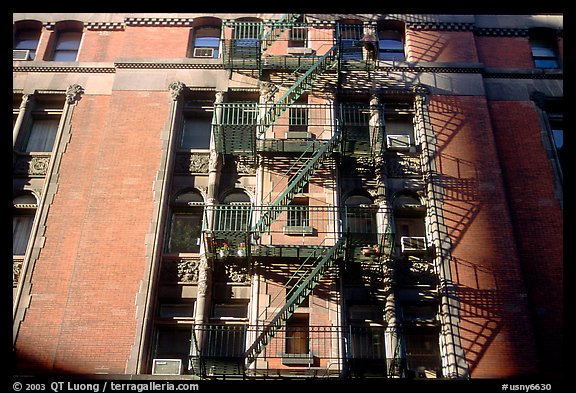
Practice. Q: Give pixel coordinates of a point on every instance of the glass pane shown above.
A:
(391, 45)
(69, 41)
(27, 40)
(545, 63)
(206, 42)
(558, 136)
(42, 135)
(196, 133)
(539, 51)
(64, 56)
(21, 228)
(185, 233)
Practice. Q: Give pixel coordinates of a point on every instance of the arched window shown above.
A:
(22, 219)
(410, 222)
(391, 41)
(26, 37)
(185, 227)
(67, 42)
(206, 37)
(236, 215)
(349, 33)
(360, 216)
(544, 48)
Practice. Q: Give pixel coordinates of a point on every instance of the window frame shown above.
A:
(67, 51)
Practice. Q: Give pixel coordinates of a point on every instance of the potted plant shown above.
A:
(241, 251)
(224, 250)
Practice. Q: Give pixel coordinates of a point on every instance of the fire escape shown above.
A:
(277, 128)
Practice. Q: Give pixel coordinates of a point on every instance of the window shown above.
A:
(399, 127)
(67, 46)
(172, 343)
(298, 37)
(22, 219)
(185, 225)
(27, 40)
(236, 216)
(42, 135)
(351, 47)
(297, 334)
(361, 219)
(555, 115)
(422, 353)
(206, 41)
(299, 213)
(544, 48)
(247, 39)
(230, 309)
(298, 118)
(196, 131)
(391, 45)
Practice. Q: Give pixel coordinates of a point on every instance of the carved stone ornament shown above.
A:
(191, 163)
(238, 274)
(204, 272)
(175, 89)
(403, 167)
(188, 270)
(73, 93)
(32, 165)
(243, 165)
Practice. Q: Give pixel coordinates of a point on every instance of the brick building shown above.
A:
(264, 195)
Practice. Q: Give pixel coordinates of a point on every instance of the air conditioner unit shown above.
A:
(20, 54)
(413, 243)
(167, 367)
(398, 142)
(203, 52)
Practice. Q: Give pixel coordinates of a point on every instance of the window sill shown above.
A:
(298, 230)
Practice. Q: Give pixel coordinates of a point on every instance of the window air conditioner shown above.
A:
(203, 52)
(413, 243)
(20, 54)
(167, 367)
(398, 142)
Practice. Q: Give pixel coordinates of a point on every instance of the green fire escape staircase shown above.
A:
(295, 185)
(277, 28)
(300, 291)
(302, 84)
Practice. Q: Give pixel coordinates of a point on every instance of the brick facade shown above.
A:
(97, 274)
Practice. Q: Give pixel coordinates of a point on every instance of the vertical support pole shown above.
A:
(205, 266)
(20, 118)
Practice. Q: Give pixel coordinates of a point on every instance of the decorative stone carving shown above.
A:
(238, 274)
(32, 165)
(403, 166)
(244, 166)
(204, 271)
(175, 89)
(73, 93)
(188, 270)
(16, 270)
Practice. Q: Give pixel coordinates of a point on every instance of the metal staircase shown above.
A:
(277, 28)
(303, 287)
(302, 84)
(296, 184)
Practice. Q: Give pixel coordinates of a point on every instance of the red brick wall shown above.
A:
(537, 219)
(101, 45)
(440, 46)
(156, 42)
(82, 316)
(506, 52)
(485, 266)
